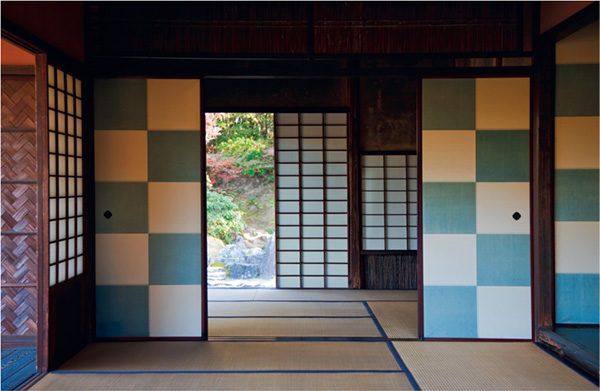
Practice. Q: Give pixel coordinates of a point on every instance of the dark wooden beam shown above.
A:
(354, 186)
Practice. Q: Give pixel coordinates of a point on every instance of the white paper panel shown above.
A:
(288, 194)
(312, 244)
(397, 244)
(335, 143)
(288, 256)
(312, 143)
(335, 131)
(313, 256)
(313, 282)
(337, 194)
(312, 194)
(335, 157)
(373, 220)
(288, 182)
(312, 232)
(311, 118)
(286, 118)
(288, 232)
(288, 244)
(337, 206)
(287, 131)
(335, 118)
(374, 244)
(396, 209)
(311, 131)
(287, 144)
(337, 232)
(395, 196)
(288, 269)
(372, 196)
(287, 157)
(312, 169)
(336, 181)
(336, 244)
(373, 173)
(372, 161)
(288, 282)
(337, 282)
(395, 160)
(288, 169)
(288, 207)
(312, 157)
(312, 181)
(313, 207)
(373, 232)
(315, 270)
(312, 219)
(288, 219)
(337, 219)
(336, 269)
(336, 169)
(396, 220)
(337, 256)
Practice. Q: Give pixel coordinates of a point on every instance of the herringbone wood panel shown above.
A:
(19, 207)
(19, 156)
(18, 103)
(19, 259)
(19, 311)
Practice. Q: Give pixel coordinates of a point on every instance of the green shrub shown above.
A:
(223, 217)
(249, 154)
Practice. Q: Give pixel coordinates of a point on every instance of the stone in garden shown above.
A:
(239, 241)
(267, 266)
(242, 271)
(214, 246)
(255, 255)
(231, 253)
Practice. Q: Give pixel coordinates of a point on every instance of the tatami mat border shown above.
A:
(230, 372)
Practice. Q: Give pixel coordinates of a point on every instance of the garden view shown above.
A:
(240, 201)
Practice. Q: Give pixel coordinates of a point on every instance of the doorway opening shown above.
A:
(240, 200)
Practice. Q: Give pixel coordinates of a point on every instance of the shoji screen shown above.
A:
(65, 169)
(389, 202)
(312, 200)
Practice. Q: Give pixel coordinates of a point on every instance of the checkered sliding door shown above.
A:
(148, 217)
(576, 130)
(476, 252)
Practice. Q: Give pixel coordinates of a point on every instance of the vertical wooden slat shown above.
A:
(420, 207)
(203, 225)
(41, 80)
(542, 184)
(354, 200)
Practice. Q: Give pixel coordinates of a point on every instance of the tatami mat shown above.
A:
(334, 294)
(398, 319)
(253, 381)
(232, 356)
(231, 294)
(261, 308)
(487, 366)
(292, 327)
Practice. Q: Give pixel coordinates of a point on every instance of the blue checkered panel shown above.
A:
(576, 178)
(476, 243)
